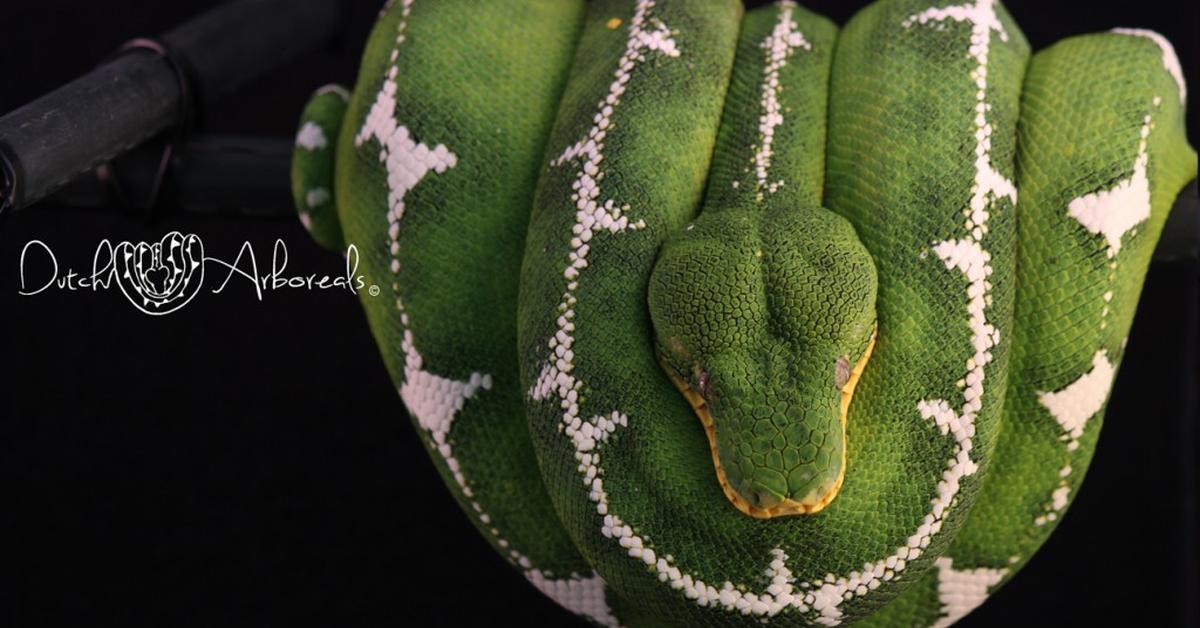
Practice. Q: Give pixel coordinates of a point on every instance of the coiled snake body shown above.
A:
(891, 268)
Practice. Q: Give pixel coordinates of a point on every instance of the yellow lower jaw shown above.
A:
(813, 502)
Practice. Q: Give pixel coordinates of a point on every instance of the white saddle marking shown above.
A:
(960, 591)
(1113, 213)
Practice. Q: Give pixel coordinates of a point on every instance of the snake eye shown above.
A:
(841, 373)
(702, 384)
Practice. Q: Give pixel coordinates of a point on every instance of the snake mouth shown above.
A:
(812, 503)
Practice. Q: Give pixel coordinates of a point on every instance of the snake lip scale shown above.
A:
(812, 503)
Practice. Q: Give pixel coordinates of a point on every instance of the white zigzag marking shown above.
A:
(1111, 213)
(311, 137)
(1115, 211)
(960, 591)
(434, 400)
(780, 45)
(1169, 59)
(316, 196)
(1072, 406)
(582, 596)
(969, 257)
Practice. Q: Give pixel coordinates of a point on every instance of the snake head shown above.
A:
(763, 320)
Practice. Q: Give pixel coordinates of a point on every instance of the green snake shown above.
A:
(578, 212)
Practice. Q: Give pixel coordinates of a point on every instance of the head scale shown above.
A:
(764, 320)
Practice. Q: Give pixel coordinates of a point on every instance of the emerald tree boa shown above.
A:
(890, 267)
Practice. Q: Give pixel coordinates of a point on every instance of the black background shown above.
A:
(249, 463)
